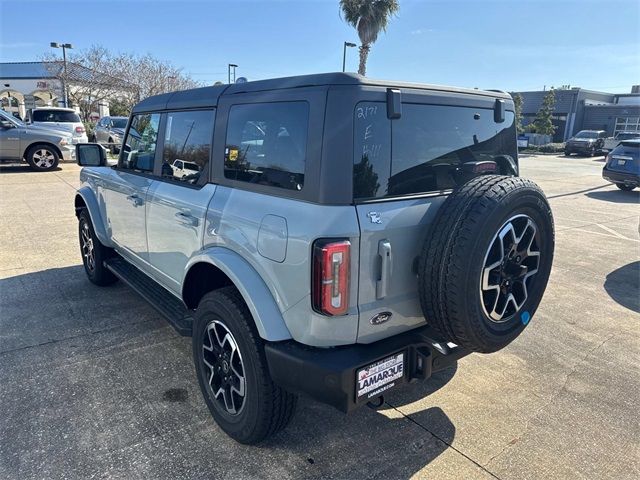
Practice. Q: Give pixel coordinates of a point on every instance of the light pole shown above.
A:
(64, 47)
(344, 52)
(229, 71)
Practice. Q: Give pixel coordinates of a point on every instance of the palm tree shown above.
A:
(369, 18)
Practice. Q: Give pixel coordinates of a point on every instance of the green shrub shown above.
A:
(548, 148)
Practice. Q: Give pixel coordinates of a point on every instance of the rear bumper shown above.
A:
(625, 178)
(329, 374)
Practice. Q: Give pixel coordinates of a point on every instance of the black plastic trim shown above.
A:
(328, 375)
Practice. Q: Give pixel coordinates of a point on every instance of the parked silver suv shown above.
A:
(338, 237)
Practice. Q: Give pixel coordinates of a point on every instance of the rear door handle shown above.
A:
(186, 219)
(135, 200)
(384, 252)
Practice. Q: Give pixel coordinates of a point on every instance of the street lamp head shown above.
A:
(68, 45)
(55, 44)
(233, 65)
(349, 44)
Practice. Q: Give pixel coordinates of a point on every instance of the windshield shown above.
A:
(55, 116)
(119, 123)
(627, 136)
(586, 134)
(11, 118)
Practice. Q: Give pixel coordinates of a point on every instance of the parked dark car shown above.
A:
(586, 142)
(623, 165)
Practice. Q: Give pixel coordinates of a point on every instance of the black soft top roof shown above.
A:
(209, 96)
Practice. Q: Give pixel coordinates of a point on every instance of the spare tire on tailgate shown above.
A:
(486, 261)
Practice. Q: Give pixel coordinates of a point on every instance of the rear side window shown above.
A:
(55, 116)
(187, 145)
(266, 144)
(139, 149)
(424, 150)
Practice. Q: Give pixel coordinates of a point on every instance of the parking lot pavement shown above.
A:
(94, 384)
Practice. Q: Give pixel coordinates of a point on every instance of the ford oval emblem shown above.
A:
(380, 318)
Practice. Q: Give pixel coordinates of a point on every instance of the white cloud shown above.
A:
(421, 31)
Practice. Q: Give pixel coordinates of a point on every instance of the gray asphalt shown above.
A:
(94, 384)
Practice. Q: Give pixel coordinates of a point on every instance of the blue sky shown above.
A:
(510, 45)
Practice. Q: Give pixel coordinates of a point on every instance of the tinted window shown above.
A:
(187, 145)
(139, 149)
(372, 160)
(119, 122)
(425, 149)
(55, 116)
(266, 144)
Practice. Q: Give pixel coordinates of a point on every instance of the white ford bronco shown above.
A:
(333, 236)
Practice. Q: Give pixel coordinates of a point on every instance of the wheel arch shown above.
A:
(86, 199)
(218, 267)
(44, 143)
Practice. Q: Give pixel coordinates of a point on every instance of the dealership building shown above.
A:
(28, 85)
(579, 109)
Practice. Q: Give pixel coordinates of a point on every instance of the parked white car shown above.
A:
(183, 169)
(612, 142)
(64, 119)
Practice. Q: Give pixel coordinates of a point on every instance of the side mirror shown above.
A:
(6, 124)
(91, 155)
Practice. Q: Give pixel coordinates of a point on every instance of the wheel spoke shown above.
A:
(512, 259)
(223, 360)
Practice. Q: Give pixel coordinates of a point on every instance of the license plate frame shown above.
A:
(621, 162)
(380, 376)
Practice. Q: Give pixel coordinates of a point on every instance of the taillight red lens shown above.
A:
(330, 289)
(79, 129)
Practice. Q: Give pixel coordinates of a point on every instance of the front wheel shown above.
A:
(232, 370)
(625, 188)
(93, 252)
(42, 158)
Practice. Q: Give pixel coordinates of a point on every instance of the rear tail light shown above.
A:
(79, 129)
(330, 276)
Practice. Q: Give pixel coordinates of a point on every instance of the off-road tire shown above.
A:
(35, 163)
(267, 408)
(625, 188)
(453, 256)
(96, 271)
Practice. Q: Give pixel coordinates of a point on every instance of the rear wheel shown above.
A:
(626, 188)
(486, 262)
(232, 370)
(42, 158)
(567, 153)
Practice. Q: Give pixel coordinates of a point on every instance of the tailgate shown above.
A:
(391, 238)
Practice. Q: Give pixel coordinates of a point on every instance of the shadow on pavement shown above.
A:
(117, 384)
(623, 286)
(616, 196)
(22, 168)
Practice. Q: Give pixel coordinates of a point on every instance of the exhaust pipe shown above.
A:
(376, 404)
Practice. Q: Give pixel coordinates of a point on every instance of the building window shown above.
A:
(627, 124)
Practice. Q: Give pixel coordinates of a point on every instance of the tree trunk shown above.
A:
(364, 53)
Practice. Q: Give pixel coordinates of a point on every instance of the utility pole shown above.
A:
(229, 66)
(64, 47)
(344, 53)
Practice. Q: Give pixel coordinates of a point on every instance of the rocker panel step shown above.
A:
(159, 297)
